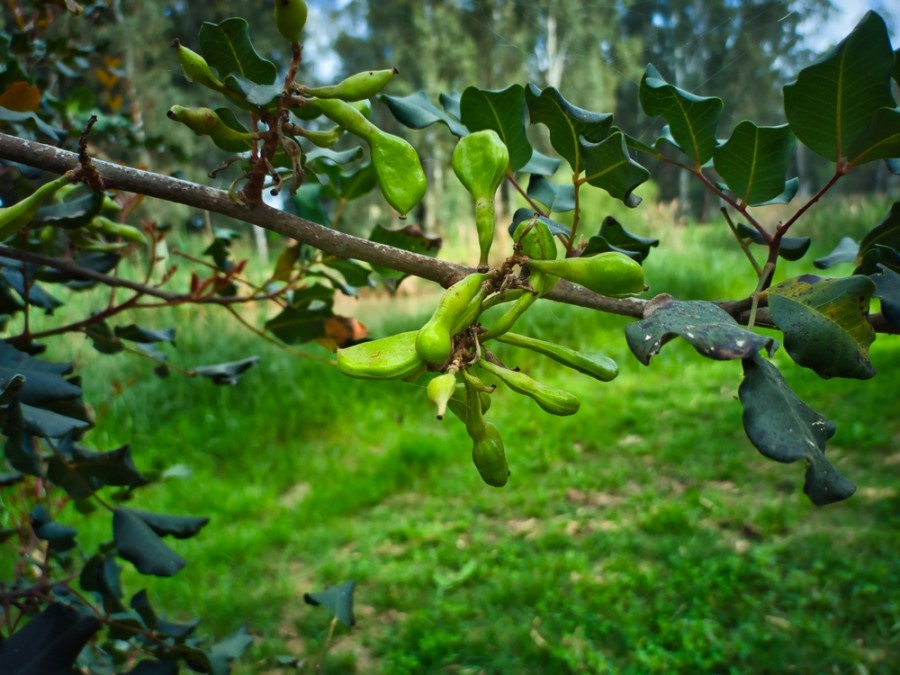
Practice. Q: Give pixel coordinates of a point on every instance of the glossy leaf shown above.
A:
(784, 428)
(708, 327)
(227, 373)
(227, 48)
(885, 235)
(353, 272)
(137, 543)
(96, 262)
(180, 527)
(613, 237)
(844, 252)
(416, 111)
(833, 100)
(296, 325)
(19, 447)
(692, 119)
(102, 337)
(880, 140)
(608, 166)
(753, 162)
(35, 294)
(102, 575)
(825, 323)
(261, 94)
(791, 248)
(70, 214)
(49, 643)
(231, 648)
(887, 289)
(567, 123)
(44, 383)
(337, 599)
(504, 112)
(556, 198)
(60, 537)
(541, 164)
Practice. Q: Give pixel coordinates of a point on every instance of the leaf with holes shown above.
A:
(784, 428)
(833, 100)
(753, 162)
(567, 123)
(825, 323)
(504, 112)
(692, 119)
(709, 328)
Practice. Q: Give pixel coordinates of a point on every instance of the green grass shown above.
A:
(644, 534)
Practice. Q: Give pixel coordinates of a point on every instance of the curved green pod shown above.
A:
(16, 216)
(206, 122)
(507, 320)
(459, 406)
(480, 161)
(435, 338)
(440, 390)
(535, 240)
(489, 457)
(195, 67)
(611, 273)
(598, 366)
(551, 399)
(356, 87)
(388, 358)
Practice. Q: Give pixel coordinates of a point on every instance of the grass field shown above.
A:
(642, 535)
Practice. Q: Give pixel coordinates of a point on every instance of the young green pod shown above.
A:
(534, 240)
(551, 399)
(506, 320)
(388, 358)
(459, 406)
(489, 457)
(435, 338)
(356, 87)
(440, 390)
(611, 273)
(206, 122)
(122, 230)
(472, 311)
(13, 218)
(598, 366)
(322, 138)
(480, 161)
(397, 165)
(195, 67)
(290, 18)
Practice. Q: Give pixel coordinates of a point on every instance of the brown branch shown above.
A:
(336, 243)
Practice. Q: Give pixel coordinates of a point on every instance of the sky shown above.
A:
(847, 14)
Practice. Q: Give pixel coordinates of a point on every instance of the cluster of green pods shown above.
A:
(454, 345)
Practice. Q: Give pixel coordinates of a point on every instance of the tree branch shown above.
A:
(55, 160)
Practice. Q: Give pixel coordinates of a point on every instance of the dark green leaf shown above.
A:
(614, 237)
(85, 472)
(147, 667)
(416, 111)
(541, 164)
(141, 546)
(893, 166)
(49, 643)
(504, 112)
(885, 235)
(103, 338)
(70, 214)
(46, 423)
(791, 188)
(355, 274)
(844, 252)
(609, 166)
(880, 140)
(298, 325)
(233, 647)
(135, 333)
(753, 162)
(102, 575)
(43, 381)
(20, 446)
(567, 123)
(96, 262)
(356, 183)
(825, 323)
(833, 100)
(692, 119)
(322, 155)
(790, 248)
(180, 527)
(35, 294)
(227, 373)
(310, 204)
(556, 198)
(409, 238)
(60, 537)
(337, 599)
(51, 132)
(708, 327)
(262, 95)
(784, 428)
(228, 49)
(887, 289)
(10, 385)
(140, 603)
